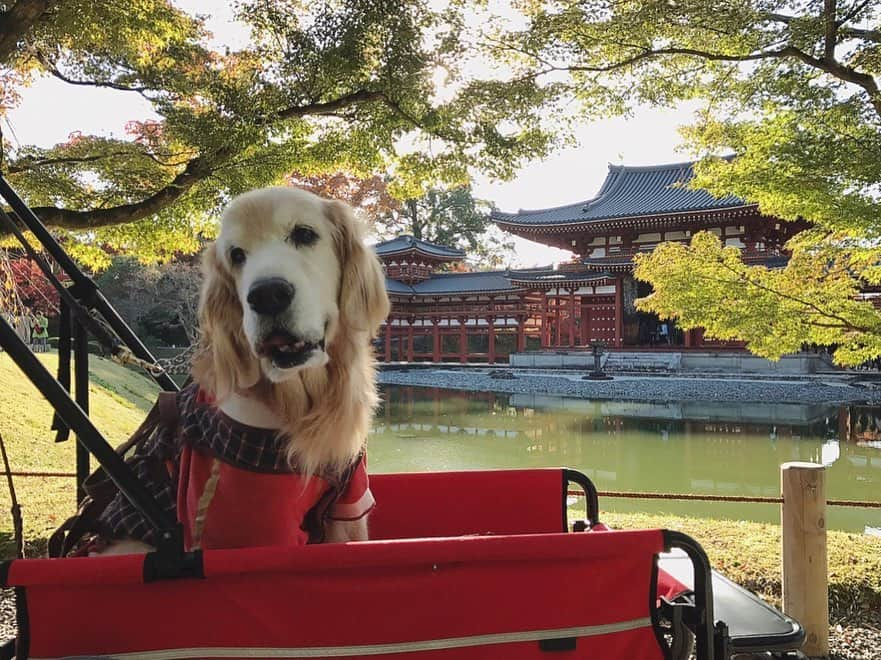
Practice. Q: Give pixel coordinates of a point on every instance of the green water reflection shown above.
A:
(694, 447)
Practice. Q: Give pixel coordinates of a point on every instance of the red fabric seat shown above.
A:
(432, 504)
(467, 597)
(503, 582)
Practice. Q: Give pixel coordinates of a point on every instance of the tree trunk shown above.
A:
(16, 22)
(413, 214)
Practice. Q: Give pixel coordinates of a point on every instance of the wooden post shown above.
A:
(571, 317)
(585, 324)
(410, 340)
(435, 341)
(619, 312)
(521, 335)
(805, 580)
(545, 328)
(388, 339)
(463, 340)
(491, 351)
(558, 320)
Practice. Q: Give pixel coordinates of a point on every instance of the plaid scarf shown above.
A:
(206, 429)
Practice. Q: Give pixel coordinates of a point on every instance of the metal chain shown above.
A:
(124, 356)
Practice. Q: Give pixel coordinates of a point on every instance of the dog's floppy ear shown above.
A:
(363, 302)
(224, 361)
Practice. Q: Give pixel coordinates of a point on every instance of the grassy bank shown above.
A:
(747, 552)
(119, 399)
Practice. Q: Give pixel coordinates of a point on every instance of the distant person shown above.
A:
(664, 333)
(40, 335)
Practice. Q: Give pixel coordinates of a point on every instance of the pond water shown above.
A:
(693, 447)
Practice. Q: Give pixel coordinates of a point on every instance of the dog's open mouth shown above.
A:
(285, 350)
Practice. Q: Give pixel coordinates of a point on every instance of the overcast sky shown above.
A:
(51, 110)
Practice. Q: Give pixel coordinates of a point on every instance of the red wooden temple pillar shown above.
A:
(558, 318)
(410, 340)
(545, 328)
(436, 344)
(619, 312)
(388, 340)
(491, 327)
(463, 341)
(585, 323)
(571, 317)
(521, 335)
(689, 338)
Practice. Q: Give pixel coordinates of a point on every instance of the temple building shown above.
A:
(485, 316)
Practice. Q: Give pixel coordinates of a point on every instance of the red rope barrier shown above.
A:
(631, 495)
(635, 495)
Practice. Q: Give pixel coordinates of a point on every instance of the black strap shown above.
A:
(7, 651)
(64, 344)
(99, 487)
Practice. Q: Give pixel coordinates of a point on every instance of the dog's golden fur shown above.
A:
(326, 410)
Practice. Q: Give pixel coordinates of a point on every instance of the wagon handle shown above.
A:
(591, 503)
(711, 638)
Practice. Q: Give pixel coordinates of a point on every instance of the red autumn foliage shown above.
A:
(148, 132)
(33, 289)
(370, 196)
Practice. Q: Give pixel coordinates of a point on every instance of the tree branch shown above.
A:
(858, 33)
(833, 67)
(16, 22)
(855, 10)
(746, 279)
(197, 169)
(331, 108)
(843, 30)
(28, 165)
(780, 18)
(52, 69)
(845, 73)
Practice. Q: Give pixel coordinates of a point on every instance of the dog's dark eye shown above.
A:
(237, 256)
(303, 236)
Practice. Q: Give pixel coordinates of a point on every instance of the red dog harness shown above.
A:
(230, 484)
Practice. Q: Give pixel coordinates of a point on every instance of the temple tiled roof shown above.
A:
(405, 243)
(394, 286)
(465, 283)
(486, 282)
(779, 261)
(552, 277)
(630, 192)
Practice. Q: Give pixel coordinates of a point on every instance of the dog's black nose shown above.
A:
(270, 296)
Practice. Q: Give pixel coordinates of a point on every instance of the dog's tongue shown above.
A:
(281, 340)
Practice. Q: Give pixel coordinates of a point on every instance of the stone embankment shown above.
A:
(820, 389)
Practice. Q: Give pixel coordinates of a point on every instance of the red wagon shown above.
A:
(462, 565)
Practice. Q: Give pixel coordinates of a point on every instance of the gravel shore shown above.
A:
(809, 390)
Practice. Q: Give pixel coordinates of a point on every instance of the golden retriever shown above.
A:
(290, 302)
